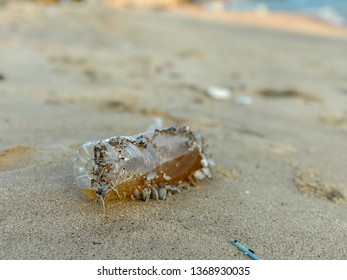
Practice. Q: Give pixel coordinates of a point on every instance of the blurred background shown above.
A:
(264, 81)
(332, 11)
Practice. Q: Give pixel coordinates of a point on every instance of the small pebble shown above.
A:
(219, 92)
(243, 100)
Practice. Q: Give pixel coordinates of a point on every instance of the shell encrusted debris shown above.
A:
(143, 166)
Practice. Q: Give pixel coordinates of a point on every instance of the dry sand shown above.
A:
(76, 73)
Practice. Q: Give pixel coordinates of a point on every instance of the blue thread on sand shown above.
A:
(244, 249)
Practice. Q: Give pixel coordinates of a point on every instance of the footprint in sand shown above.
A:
(16, 157)
(307, 182)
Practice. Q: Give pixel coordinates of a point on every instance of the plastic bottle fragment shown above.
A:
(143, 166)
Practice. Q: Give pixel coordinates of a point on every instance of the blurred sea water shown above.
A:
(332, 11)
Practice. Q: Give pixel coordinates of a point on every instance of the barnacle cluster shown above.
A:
(143, 166)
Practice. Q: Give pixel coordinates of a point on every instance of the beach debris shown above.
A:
(2, 77)
(248, 252)
(243, 100)
(148, 165)
(219, 93)
(289, 93)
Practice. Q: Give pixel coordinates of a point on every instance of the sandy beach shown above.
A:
(73, 73)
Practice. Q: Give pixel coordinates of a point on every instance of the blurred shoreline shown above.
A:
(215, 11)
(261, 18)
(330, 11)
(282, 21)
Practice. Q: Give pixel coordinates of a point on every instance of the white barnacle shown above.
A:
(204, 162)
(151, 176)
(137, 194)
(167, 177)
(207, 172)
(198, 175)
(154, 193)
(162, 193)
(146, 194)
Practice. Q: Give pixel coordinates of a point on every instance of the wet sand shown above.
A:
(75, 73)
